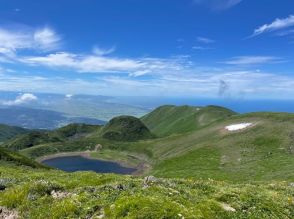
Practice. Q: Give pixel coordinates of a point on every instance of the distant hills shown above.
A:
(8, 132)
(7, 156)
(40, 119)
(51, 111)
(66, 133)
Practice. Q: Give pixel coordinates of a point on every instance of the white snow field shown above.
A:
(237, 127)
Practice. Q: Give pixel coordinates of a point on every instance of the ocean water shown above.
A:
(240, 106)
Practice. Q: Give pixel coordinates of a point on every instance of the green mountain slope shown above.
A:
(8, 132)
(263, 151)
(203, 171)
(67, 133)
(54, 194)
(126, 128)
(167, 120)
(9, 157)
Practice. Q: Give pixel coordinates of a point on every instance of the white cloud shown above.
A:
(200, 48)
(205, 40)
(219, 4)
(13, 40)
(22, 99)
(101, 52)
(285, 33)
(101, 64)
(46, 39)
(85, 63)
(201, 82)
(252, 60)
(277, 24)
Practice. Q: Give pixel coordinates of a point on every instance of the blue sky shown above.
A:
(191, 48)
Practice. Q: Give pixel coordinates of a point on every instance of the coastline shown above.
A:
(141, 168)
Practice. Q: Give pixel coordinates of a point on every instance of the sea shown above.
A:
(237, 105)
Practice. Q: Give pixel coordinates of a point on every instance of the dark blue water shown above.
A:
(79, 163)
(238, 105)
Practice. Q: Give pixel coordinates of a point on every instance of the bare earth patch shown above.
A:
(7, 214)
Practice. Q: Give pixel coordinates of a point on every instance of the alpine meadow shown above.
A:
(146, 109)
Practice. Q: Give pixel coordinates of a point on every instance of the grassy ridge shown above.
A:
(262, 152)
(167, 120)
(53, 194)
(125, 128)
(8, 132)
(7, 156)
(67, 133)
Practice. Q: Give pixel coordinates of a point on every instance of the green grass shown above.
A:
(126, 128)
(202, 172)
(262, 152)
(89, 195)
(167, 120)
(8, 132)
(68, 133)
(10, 157)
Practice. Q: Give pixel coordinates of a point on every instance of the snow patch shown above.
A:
(236, 127)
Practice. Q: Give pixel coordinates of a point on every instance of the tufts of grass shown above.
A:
(90, 195)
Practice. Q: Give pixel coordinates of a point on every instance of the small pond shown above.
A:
(79, 163)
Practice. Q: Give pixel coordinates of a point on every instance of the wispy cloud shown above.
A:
(178, 75)
(101, 51)
(277, 24)
(89, 63)
(84, 63)
(201, 48)
(252, 60)
(285, 33)
(205, 40)
(44, 39)
(21, 99)
(206, 83)
(219, 4)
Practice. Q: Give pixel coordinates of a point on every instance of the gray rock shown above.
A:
(150, 180)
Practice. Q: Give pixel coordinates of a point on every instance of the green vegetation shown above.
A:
(264, 151)
(54, 194)
(203, 170)
(67, 133)
(126, 128)
(167, 120)
(8, 132)
(10, 157)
